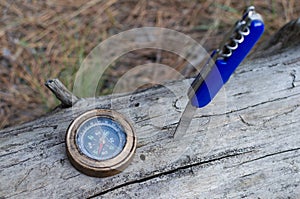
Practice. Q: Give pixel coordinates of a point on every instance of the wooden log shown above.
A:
(246, 143)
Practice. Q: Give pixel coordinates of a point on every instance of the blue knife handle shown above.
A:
(224, 68)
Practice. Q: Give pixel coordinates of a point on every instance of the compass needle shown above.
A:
(100, 148)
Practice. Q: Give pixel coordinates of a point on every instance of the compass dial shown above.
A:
(100, 142)
(101, 138)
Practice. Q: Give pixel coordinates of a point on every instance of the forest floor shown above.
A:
(40, 40)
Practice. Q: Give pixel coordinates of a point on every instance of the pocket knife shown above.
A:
(221, 65)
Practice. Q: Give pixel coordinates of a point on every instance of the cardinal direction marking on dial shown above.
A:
(101, 138)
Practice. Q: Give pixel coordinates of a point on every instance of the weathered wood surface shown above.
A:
(246, 143)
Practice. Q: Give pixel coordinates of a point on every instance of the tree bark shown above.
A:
(246, 143)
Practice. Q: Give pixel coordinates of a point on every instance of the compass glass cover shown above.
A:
(100, 138)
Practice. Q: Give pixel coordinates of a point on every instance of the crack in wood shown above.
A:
(10, 153)
(14, 164)
(24, 191)
(269, 155)
(247, 107)
(241, 93)
(22, 179)
(22, 161)
(245, 122)
(294, 108)
(293, 74)
(25, 129)
(293, 61)
(247, 175)
(70, 177)
(178, 169)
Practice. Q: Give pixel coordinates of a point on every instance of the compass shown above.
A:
(100, 142)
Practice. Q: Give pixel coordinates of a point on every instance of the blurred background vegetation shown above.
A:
(49, 39)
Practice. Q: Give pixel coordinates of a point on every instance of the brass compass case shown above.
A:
(91, 166)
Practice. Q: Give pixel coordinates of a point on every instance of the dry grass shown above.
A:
(49, 39)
